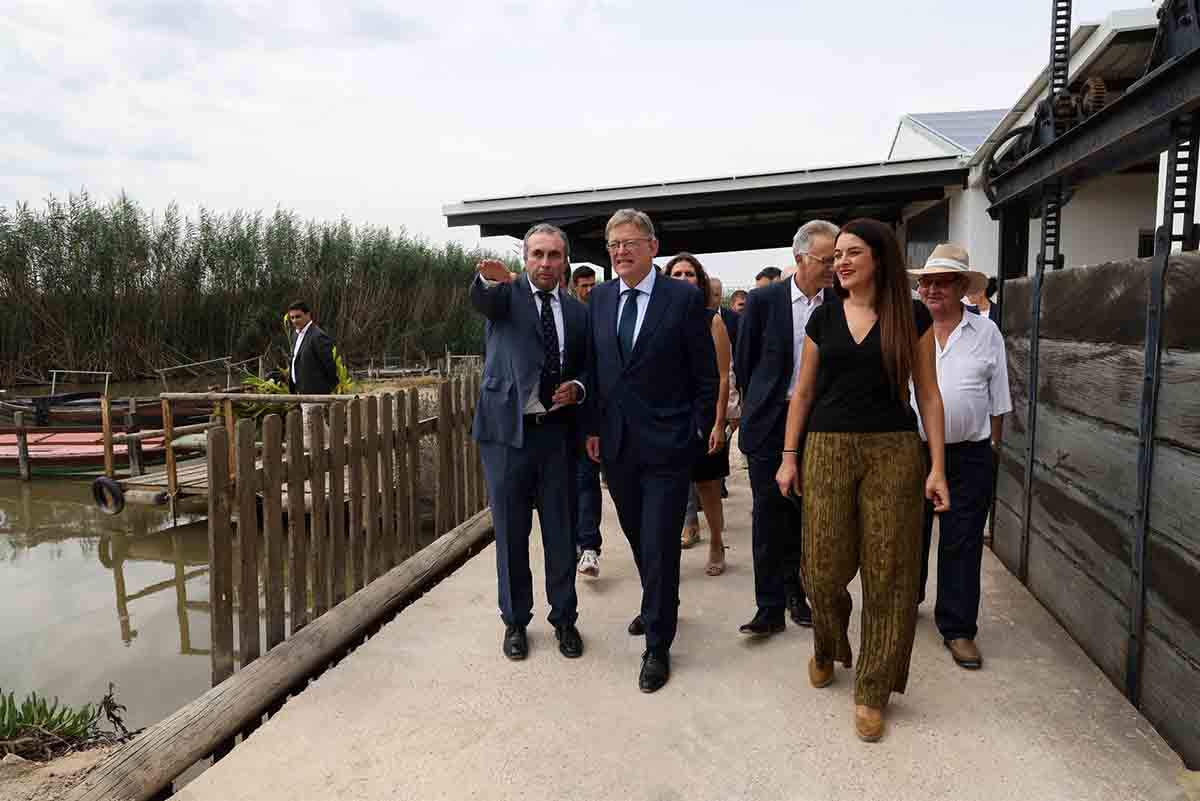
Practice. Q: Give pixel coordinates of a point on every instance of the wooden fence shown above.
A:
(337, 524)
(1129, 600)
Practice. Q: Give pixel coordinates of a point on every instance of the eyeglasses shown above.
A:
(627, 244)
(941, 282)
(826, 262)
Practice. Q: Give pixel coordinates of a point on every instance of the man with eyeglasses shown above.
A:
(972, 373)
(313, 370)
(766, 362)
(652, 400)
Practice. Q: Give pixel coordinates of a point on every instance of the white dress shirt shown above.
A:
(972, 373)
(296, 349)
(644, 288)
(802, 309)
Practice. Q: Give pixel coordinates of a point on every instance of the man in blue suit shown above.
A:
(653, 394)
(537, 352)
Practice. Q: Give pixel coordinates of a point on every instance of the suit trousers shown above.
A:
(863, 496)
(776, 528)
(650, 501)
(969, 471)
(519, 479)
(586, 502)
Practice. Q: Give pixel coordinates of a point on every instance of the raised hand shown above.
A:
(494, 270)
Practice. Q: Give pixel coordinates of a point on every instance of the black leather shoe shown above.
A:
(799, 611)
(656, 669)
(516, 646)
(570, 644)
(765, 623)
(636, 627)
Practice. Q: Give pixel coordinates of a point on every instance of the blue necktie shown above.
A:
(628, 322)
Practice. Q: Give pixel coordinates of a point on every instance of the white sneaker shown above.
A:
(589, 563)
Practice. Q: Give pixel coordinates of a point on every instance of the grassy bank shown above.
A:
(92, 286)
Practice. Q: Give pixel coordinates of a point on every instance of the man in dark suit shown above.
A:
(728, 316)
(313, 370)
(766, 363)
(652, 403)
(537, 353)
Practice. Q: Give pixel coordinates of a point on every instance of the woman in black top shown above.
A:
(864, 481)
(713, 466)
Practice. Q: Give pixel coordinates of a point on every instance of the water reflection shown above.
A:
(86, 599)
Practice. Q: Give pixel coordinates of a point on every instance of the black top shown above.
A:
(853, 392)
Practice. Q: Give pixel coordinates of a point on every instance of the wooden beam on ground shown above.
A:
(141, 768)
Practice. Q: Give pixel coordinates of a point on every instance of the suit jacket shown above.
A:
(657, 405)
(763, 361)
(314, 363)
(733, 322)
(512, 368)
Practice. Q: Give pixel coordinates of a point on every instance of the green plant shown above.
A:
(35, 716)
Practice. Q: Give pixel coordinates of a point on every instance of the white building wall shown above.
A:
(973, 229)
(1102, 221)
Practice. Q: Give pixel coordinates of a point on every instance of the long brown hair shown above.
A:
(702, 281)
(892, 301)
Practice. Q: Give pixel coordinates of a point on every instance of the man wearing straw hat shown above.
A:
(972, 374)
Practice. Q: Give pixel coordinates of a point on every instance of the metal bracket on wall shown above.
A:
(1049, 256)
(1179, 211)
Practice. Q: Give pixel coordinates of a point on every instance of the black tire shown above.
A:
(108, 496)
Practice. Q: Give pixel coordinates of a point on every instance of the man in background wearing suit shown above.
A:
(652, 403)
(728, 316)
(312, 370)
(537, 351)
(766, 363)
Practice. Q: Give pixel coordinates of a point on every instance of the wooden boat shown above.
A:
(66, 453)
(83, 409)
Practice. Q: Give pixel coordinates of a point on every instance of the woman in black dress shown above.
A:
(713, 466)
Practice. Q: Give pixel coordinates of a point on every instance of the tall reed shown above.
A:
(110, 286)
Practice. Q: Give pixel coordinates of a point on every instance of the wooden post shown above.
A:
(133, 447)
(472, 446)
(23, 467)
(387, 483)
(371, 458)
(337, 504)
(247, 528)
(168, 424)
(355, 461)
(318, 464)
(106, 423)
(262, 370)
(220, 561)
(297, 530)
(459, 463)
(445, 445)
(230, 427)
(273, 526)
(403, 513)
(414, 471)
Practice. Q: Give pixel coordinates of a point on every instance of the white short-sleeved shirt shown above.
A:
(972, 372)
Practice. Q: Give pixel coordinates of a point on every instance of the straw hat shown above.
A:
(952, 259)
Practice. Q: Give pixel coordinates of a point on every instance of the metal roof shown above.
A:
(966, 130)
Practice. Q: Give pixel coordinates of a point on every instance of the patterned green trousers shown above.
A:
(863, 499)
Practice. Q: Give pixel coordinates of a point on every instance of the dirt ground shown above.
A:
(24, 780)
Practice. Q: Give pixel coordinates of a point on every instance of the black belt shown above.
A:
(543, 418)
(968, 444)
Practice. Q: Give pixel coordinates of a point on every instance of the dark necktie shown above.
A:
(628, 322)
(551, 369)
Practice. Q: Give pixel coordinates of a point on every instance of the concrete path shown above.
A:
(430, 709)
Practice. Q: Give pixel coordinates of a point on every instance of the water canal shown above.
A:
(87, 599)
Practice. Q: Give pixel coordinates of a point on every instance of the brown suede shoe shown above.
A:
(820, 675)
(868, 723)
(965, 653)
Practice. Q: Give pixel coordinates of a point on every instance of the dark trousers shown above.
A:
(586, 497)
(775, 529)
(519, 479)
(969, 470)
(650, 501)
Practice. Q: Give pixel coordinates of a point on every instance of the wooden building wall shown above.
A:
(1083, 495)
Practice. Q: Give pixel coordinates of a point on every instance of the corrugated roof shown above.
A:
(964, 129)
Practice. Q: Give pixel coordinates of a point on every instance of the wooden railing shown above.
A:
(343, 562)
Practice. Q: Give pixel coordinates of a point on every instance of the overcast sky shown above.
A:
(382, 112)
